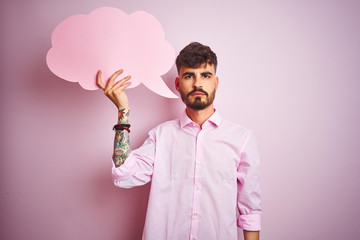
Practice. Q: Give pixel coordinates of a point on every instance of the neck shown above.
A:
(200, 116)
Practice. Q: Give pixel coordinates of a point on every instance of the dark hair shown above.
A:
(194, 55)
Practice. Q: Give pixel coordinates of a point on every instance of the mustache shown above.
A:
(197, 90)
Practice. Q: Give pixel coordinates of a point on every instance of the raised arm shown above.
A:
(115, 92)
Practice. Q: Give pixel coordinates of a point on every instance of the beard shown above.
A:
(197, 103)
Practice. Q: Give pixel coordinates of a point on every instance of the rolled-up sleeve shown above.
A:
(137, 169)
(248, 186)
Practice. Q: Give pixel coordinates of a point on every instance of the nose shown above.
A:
(197, 83)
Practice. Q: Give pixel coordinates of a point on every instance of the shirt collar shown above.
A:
(215, 118)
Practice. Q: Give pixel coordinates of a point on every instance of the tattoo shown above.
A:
(122, 140)
(123, 116)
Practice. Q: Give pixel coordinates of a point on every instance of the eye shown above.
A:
(188, 76)
(207, 76)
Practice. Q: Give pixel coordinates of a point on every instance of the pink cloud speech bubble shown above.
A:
(109, 39)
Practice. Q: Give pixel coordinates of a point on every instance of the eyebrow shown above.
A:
(192, 73)
(206, 73)
(188, 74)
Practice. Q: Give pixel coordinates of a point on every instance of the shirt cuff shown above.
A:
(250, 222)
(125, 170)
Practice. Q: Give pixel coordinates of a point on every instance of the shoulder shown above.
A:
(166, 126)
(234, 128)
(241, 137)
(236, 133)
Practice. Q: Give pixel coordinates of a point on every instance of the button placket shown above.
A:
(197, 186)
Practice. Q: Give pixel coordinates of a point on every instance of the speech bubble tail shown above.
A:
(159, 87)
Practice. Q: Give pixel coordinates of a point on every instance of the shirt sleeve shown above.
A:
(138, 168)
(248, 186)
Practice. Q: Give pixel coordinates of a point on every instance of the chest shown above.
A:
(206, 154)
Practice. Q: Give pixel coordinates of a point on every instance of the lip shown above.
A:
(197, 94)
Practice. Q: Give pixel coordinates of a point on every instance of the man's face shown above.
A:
(197, 86)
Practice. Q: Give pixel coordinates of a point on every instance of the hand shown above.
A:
(115, 91)
(251, 235)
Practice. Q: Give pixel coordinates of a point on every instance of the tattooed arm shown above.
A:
(115, 92)
(122, 139)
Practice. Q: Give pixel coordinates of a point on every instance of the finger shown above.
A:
(99, 82)
(123, 87)
(110, 83)
(121, 82)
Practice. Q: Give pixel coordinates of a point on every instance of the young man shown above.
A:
(202, 167)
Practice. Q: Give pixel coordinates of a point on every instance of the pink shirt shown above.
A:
(199, 178)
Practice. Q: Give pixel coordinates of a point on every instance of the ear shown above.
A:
(177, 83)
(216, 82)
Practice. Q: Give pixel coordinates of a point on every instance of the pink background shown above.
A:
(288, 70)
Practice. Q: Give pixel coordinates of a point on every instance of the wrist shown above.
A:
(123, 115)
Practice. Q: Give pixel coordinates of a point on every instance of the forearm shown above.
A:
(122, 139)
(251, 235)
